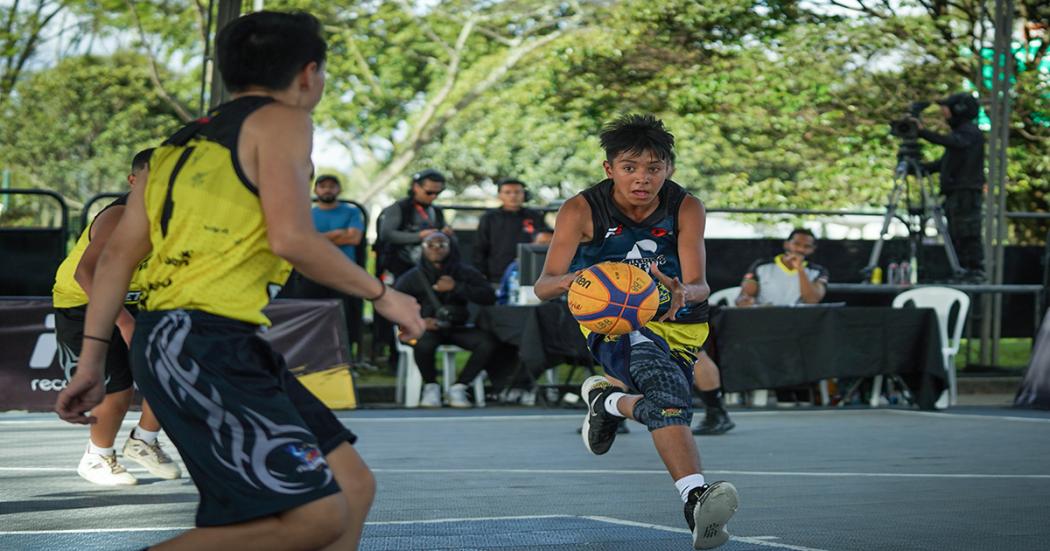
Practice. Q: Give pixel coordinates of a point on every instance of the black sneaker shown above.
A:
(599, 426)
(707, 511)
(715, 422)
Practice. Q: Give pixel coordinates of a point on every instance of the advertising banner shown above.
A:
(310, 334)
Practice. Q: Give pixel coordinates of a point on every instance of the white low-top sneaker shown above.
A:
(104, 470)
(152, 457)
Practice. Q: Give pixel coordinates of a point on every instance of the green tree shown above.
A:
(74, 128)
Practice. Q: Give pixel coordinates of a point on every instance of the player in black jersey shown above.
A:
(639, 216)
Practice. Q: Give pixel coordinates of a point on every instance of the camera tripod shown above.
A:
(908, 174)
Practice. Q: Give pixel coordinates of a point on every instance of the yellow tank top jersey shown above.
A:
(210, 250)
(67, 293)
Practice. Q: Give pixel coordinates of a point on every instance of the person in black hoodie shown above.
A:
(500, 230)
(444, 286)
(962, 178)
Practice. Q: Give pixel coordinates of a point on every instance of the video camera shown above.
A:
(907, 128)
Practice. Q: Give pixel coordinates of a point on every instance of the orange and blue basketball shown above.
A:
(613, 298)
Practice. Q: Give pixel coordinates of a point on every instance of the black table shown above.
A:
(545, 334)
(761, 348)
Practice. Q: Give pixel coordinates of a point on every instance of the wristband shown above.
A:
(381, 293)
(99, 339)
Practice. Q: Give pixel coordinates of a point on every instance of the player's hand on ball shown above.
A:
(84, 391)
(565, 281)
(402, 310)
(674, 286)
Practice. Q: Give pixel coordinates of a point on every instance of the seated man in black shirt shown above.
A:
(500, 230)
(444, 286)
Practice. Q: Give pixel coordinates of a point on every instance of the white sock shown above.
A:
(610, 403)
(147, 436)
(92, 448)
(687, 483)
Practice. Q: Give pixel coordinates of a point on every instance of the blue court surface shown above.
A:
(510, 479)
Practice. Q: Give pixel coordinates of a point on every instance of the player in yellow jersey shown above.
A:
(227, 208)
(72, 284)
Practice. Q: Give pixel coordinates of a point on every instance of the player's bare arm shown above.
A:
(127, 246)
(101, 228)
(692, 255)
(275, 146)
(571, 227)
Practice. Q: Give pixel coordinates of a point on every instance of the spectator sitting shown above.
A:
(786, 279)
(500, 230)
(512, 275)
(444, 286)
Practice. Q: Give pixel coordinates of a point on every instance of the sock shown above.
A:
(610, 403)
(687, 483)
(147, 436)
(92, 448)
(712, 399)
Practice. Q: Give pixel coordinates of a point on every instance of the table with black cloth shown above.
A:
(545, 334)
(770, 347)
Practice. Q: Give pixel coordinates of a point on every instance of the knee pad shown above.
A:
(667, 397)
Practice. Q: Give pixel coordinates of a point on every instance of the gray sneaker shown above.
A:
(152, 457)
(431, 396)
(457, 396)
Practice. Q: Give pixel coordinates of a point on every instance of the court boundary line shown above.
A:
(832, 474)
(763, 541)
(949, 415)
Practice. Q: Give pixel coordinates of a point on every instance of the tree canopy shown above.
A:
(774, 103)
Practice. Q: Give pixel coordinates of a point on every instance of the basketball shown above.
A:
(613, 298)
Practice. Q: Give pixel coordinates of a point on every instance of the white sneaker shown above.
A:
(457, 396)
(431, 396)
(104, 470)
(152, 457)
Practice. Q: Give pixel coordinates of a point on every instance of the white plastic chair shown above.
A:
(942, 300)
(725, 297)
(410, 381)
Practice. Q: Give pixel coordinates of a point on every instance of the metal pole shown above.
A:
(207, 63)
(1001, 133)
(228, 11)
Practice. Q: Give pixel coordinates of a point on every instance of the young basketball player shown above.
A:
(227, 208)
(637, 215)
(73, 281)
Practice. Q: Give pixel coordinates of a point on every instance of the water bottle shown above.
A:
(514, 287)
(892, 274)
(876, 275)
(905, 273)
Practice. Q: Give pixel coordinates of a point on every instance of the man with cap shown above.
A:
(962, 178)
(404, 225)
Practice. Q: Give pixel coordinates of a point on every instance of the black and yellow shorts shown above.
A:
(252, 437)
(69, 333)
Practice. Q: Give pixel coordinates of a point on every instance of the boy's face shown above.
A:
(310, 82)
(436, 247)
(638, 177)
(512, 196)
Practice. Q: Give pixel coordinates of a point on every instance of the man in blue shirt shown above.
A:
(341, 223)
(344, 225)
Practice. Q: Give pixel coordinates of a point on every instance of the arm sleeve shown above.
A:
(822, 274)
(955, 140)
(389, 232)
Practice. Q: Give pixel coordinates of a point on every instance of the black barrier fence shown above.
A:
(30, 255)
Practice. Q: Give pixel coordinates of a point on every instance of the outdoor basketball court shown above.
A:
(508, 479)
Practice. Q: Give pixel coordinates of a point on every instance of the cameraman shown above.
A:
(444, 286)
(962, 178)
